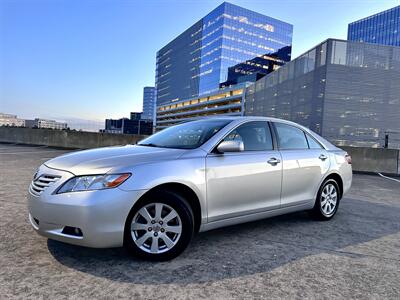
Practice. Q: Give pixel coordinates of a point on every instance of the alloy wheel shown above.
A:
(156, 228)
(329, 197)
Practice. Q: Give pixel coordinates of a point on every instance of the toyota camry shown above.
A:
(153, 197)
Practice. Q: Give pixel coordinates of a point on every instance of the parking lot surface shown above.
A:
(355, 255)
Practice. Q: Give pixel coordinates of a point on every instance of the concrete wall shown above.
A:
(64, 138)
(375, 159)
(364, 159)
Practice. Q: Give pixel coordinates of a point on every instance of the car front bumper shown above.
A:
(99, 215)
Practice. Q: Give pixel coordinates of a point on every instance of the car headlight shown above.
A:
(93, 182)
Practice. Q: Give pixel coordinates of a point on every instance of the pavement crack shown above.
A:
(333, 250)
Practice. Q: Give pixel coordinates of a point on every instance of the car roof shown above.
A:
(234, 118)
(246, 118)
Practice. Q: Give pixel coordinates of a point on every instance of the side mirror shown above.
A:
(230, 146)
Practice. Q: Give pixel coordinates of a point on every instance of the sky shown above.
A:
(87, 60)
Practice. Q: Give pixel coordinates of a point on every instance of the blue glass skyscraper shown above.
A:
(229, 45)
(148, 103)
(381, 28)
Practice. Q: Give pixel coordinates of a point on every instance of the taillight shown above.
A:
(347, 157)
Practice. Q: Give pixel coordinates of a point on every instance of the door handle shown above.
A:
(273, 161)
(323, 157)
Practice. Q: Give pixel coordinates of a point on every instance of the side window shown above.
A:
(256, 136)
(290, 137)
(312, 143)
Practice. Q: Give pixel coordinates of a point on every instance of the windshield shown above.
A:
(189, 135)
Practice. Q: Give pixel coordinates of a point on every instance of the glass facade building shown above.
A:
(129, 126)
(348, 92)
(229, 45)
(149, 103)
(381, 28)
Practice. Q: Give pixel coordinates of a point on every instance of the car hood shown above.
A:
(102, 160)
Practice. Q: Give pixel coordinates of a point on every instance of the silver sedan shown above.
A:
(154, 196)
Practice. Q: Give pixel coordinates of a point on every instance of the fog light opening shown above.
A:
(75, 231)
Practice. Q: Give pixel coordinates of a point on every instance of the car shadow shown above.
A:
(241, 250)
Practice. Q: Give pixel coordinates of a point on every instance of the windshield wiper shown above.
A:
(149, 145)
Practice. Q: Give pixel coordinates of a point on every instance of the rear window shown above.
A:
(312, 143)
(290, 137)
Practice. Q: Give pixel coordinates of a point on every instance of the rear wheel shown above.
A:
(327, 202)
(160, 227)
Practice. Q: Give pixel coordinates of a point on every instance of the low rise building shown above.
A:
(134, 125)
(11, 120)
(45, 123)
(136, 115)
(225, 102)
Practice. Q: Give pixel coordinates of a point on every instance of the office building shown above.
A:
(136, 116)
(149, 103)
(45, 123)
(227, 46)
(11, 120)
(349, 92)
(381, 28)
(134, 125)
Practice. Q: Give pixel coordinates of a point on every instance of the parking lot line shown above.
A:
(387, 177)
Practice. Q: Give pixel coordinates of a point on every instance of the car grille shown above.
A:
(39, 184)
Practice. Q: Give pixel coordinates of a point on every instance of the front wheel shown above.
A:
(327, 202)
(160, 228)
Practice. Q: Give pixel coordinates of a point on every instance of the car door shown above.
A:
(304, 164)
(244, 182)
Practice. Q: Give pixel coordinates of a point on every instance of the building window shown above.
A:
(322, 57)
(339, 51)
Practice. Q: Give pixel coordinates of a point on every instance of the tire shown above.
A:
(327, 202)
(159, 227)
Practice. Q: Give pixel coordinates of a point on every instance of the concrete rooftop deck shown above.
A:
(356, 255)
